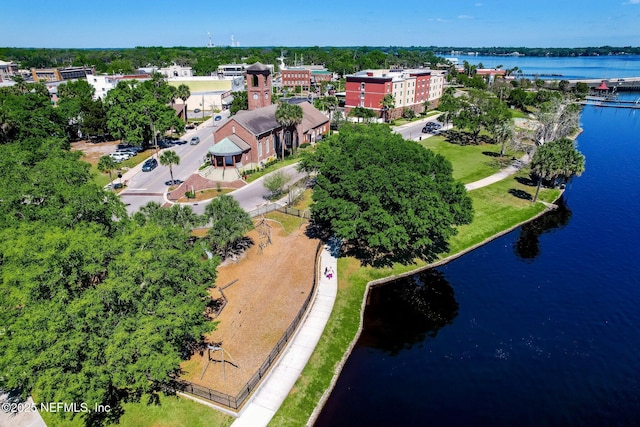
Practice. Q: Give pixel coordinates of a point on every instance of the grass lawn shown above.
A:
(171, 411)
(278, 165)
(290, 223)
(205, 195)
(496, 209)
(470, 162)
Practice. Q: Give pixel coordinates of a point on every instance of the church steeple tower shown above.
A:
(258, 86)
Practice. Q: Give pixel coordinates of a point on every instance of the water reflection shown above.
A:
(527, 247)
(402, 313)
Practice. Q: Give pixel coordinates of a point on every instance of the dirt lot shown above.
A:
(93, 152)
(270, 290)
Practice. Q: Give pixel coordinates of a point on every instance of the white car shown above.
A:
(118, 157)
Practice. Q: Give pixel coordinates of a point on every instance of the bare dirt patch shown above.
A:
(92, 152)
(270, 290)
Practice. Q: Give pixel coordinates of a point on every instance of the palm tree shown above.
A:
(331, 102)
(169, 158)
(108, 165)
(173, 94)
(557, 160)
(386, 103)
(20, 83)
(502, 132)
(184, 93)
(289, 116)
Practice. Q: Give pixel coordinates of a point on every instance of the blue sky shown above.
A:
(479, 23)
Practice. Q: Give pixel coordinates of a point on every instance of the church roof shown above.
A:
(229, 146)
(258, 68)
(312, 117)
(263, 120)
(259, 121)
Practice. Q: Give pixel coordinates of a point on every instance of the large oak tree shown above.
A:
(386, 198)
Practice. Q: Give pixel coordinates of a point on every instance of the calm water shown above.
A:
(587, 67)
(539, 327)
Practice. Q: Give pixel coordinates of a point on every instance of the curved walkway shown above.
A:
(499, 176)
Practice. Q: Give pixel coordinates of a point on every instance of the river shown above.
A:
(538, 327)
(570, 68)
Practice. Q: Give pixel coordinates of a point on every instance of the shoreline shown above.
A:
(379, 282)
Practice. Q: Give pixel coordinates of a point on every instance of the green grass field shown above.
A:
(470, 162)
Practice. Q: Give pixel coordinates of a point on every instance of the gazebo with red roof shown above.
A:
(603, 86)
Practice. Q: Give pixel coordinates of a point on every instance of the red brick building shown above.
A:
(296, 77)
(258, 86)
(411, 89)
(366, 90)
(304, 76)
(253, 137)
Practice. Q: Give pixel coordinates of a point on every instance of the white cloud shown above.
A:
(631, 2)
(465, 17)
(478, 5)
(437, 20)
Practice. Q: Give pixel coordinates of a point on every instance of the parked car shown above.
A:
(197, 110)
(118, 157)
(218, 118)
(190, 126)
(149, 165)
(195, 140)
(131, 151)
(431, 127)
(179, 142)
(165, 143)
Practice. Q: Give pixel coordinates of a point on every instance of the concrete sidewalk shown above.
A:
(499, 176)
(266, 401)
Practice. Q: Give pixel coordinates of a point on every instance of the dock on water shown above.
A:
(613, 102)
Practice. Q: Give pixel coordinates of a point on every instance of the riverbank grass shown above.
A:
(497, 208)
(470, 162)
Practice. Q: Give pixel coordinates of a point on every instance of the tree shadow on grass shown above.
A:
(525, 181)
(459, 137)
(491, 154)
(520, 194)
(378, 258)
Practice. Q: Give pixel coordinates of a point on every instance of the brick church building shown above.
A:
(253, 137)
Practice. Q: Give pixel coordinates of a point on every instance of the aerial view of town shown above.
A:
(320, 215)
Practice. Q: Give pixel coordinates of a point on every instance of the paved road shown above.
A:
(413, 130)
(144, 187)
(253, 195)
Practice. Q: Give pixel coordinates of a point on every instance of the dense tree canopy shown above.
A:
(136, 112)
(388, 199)
(480, 110)
(229, 223)
(94, 307)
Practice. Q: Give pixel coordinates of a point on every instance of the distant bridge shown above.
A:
(611, 101)
(620, 84)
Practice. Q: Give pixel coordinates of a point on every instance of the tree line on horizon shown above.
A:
(204, 60)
